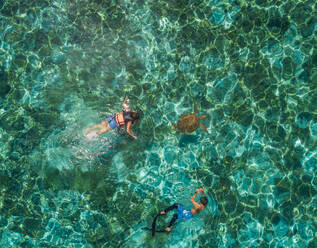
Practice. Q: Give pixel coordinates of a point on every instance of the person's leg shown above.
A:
(162, 213)
(100, 125)
(97, 129)
(175, 216)
(104, 128)
(171, 208)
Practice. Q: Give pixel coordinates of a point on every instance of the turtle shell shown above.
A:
(188, 123)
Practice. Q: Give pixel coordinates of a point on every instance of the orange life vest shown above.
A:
(120, 119)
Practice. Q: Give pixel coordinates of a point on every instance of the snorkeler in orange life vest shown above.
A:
(127, 117)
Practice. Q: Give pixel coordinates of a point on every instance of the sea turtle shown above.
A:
(188, 123)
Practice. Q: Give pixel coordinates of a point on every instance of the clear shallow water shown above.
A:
(250, 67)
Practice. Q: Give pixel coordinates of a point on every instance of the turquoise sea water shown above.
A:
(250, 66)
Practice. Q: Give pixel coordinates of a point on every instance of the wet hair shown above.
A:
(204, 200)
(135, 115)
(132, 116)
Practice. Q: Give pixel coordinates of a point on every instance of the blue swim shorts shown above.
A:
(111, 119)
(183, 214)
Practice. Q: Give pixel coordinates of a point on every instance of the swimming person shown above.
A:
(126, 117)
(182, 213)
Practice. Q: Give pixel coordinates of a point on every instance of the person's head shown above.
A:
(135, 116)
(204, 200)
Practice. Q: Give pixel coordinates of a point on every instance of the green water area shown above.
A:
(249, 66)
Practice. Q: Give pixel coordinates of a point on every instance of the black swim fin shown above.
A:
(153, 229)
(154, 224)
(150, 229)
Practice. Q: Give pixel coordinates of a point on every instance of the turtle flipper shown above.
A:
(174, 127)
(202, 126)
(201, 117)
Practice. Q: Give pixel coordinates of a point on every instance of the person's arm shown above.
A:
(129, 131)
(192, 199)
(125, 105)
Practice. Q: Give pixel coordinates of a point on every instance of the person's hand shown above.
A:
(200, 190)
(135, 137)
(162, 212)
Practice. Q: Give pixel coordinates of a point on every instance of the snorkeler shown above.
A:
(182, 213)
(127, 117)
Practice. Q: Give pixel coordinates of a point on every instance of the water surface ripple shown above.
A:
(250, 66)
